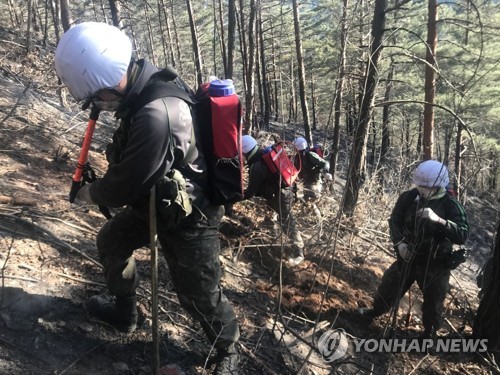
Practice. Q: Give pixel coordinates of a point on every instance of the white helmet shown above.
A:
(92, 56)
(431, 173)
(248, 143)
(300, 143)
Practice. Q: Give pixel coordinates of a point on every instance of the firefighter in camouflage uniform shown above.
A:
(279, 197)
(151, 148)
(425, 223)
(313, 170)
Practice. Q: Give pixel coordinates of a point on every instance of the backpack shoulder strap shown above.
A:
(159, 88)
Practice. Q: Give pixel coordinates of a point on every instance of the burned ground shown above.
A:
(49, 266)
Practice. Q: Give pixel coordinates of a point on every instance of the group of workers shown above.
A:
(94, 61)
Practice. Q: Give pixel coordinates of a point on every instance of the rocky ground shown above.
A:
(49, 267)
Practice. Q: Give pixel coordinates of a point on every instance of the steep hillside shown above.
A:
(49, 267)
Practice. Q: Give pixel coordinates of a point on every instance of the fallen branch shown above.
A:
(84, 281)
(12, 110)
(20, 278)
(419, 363)
(29, 354)
(269, 370)
(17, 201)
(53, 238)
(84, 355)
(71, 225)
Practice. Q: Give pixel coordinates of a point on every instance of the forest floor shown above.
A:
(49, 267)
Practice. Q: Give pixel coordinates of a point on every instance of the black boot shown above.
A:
(121, 313)
(368, 315)
(429, 333)
(227, 361)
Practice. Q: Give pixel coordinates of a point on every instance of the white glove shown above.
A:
(83, 195)
(328, 177)
(429, 214)
(404, 251)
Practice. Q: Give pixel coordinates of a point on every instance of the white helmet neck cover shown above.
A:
(248, 143)
(431, 173)
(300, 143)
(92, 56)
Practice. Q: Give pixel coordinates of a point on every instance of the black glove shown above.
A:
(455, 259)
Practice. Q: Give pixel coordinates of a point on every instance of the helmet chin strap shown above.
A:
(427, 192)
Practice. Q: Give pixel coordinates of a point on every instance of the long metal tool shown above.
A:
(84, 153)
(154, 280)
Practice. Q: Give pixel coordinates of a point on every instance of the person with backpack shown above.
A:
(262, 182)
(313, 169)
(425, 223)
(154, 147)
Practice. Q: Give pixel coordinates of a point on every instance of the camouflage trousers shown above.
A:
(433, 281)
(309, 191)
(192, 254)
(282, 205)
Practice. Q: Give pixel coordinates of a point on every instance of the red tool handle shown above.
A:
(82, 160)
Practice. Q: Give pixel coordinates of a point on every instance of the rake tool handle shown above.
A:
(153, 235)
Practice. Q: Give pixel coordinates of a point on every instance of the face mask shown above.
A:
(107, 106)
(426, 192)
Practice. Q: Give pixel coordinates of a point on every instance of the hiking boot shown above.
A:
(428, 333)
(227, 361)
(367, 315)
(120, 313)
(297, 258)
(295, 261)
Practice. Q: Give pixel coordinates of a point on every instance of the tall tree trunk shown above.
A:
(313, 106)
(29, 26)
(358, 152)
(161, 6)
(266, 100)
(54, 8)
(215, 38)
(135, 47)
(339, 90)
(259, 90)
(276, 101)
(430, 80)
(170, 42)
(231, 31)
(46, 25)
(222, 37)
(301, 73)
(243, 44)
(292, 111)
(13, 15)
(420, 133)
(150, 34)
(94, 10)
(37, 19)
(176, 37)
(66, 18)
(115, 8)
(458, 159)
(386, 135)
(103, 11)
(196, 48)
(249, 102)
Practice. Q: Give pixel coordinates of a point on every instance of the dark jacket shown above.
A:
(141, 152)
(311, 165)
(261, 181)
(430, 241)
